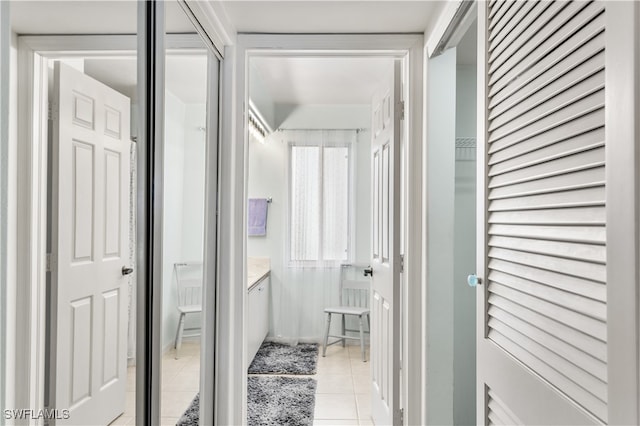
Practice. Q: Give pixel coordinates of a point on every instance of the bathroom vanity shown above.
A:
(258, 303)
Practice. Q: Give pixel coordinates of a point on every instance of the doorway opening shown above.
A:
(311, 198)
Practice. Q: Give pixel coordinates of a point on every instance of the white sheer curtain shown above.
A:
(320, 230)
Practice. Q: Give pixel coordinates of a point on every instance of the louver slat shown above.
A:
(595, 347)
(546, 196)
(581, 359)
(569, 217)
(581, 179)
(498, 413)
(580, 127)
(561, 28)
(574, 68)
(579, 304)
(580, 379)
(576, 234)
(507, 19)
(573, 145)
(583, 287)
(568, 88)
(530, 26)
(569, 388)
(546, 121)
(573, 48)
(502, 11)
(576, 268)
(500, 33)
(578, 161)
(494, 6)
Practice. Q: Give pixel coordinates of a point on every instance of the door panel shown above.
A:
(90, 240)
(542, 337)
(385, 282)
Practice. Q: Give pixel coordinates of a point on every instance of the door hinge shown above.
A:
(52, 111)
(50, 262)
(402, 263)
(402, 416)
(401, 110)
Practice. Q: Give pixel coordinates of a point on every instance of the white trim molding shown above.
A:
(453, 23)
(231, 405)
(212, 19)
(5, 46)
(622, 150)
(31, 228)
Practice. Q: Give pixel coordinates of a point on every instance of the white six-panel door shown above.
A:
(542, 310)
(90, 247)
(385, 261)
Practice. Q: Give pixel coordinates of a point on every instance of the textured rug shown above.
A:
(276, 358)
(191, 417)
(280, 400)
(271, 400)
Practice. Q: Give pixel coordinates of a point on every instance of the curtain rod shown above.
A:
(319, 130)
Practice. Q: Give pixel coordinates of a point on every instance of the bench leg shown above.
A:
(326, 335)
(364, 358)
(178, 342)
(344, 331)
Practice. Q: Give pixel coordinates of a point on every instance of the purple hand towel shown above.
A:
(257, 217)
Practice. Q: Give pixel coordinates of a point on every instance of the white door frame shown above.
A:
(33, 54)
(5, 46)
(231, 405)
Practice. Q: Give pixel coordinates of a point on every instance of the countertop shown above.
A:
(257, 269)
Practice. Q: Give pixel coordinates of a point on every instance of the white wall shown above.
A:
(183, 220)
(172, 211)
(441, 85)
(299, 295)
(464, 306)
(321, 116)
(261, 98)
(193, 196)
(466, 106)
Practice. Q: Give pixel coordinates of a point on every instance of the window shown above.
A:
(320, 201)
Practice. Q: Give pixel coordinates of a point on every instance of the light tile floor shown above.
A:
(342, 394)
(180, 384)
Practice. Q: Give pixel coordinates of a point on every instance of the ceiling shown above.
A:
(321, 80)
(331, 16)
(290, 80)
(299, 16)
(87, 17)
(185, 75)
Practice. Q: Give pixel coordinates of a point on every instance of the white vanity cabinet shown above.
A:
(257, 317)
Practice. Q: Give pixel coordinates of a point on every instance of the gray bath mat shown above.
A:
(270, 401)
(276, 358)
(280, 400)
(191, 417)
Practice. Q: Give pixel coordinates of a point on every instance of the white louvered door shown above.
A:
(542, 326)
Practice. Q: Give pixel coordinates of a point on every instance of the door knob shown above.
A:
(474, 280)
(126, 271)
(368, 272)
